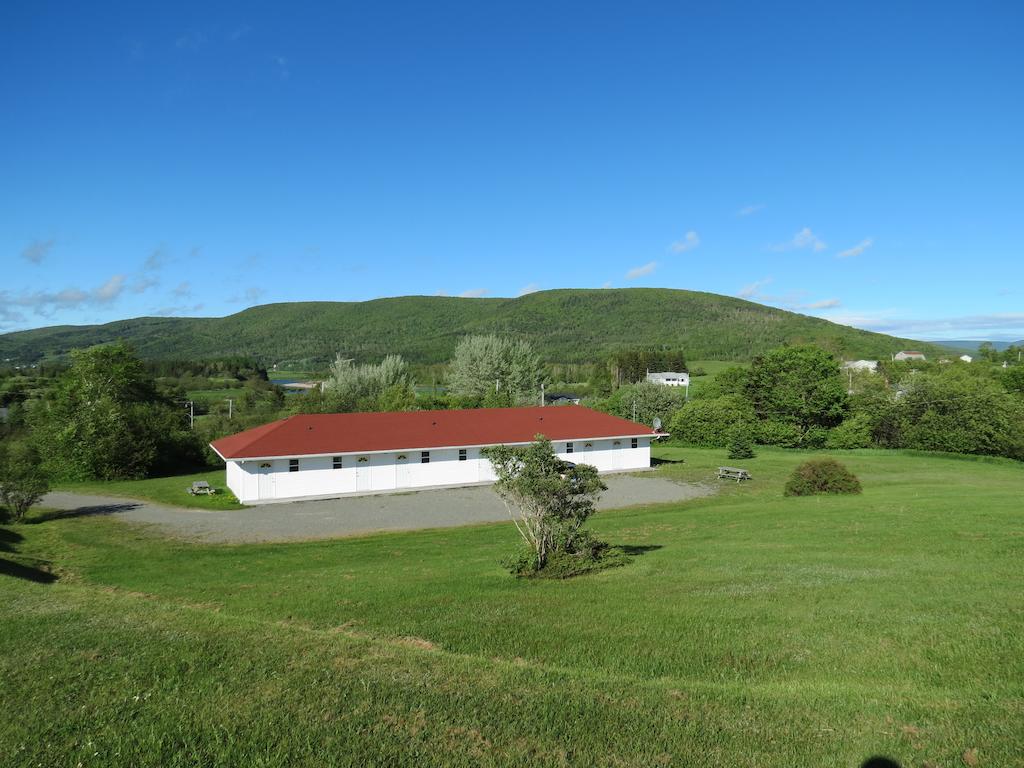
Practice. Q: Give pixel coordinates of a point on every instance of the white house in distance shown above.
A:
(860, 365)
(966, 358)
(669, 378)
(325, 455)
(908, 355)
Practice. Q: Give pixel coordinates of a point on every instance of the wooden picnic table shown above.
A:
(201, 487)
(733, 473)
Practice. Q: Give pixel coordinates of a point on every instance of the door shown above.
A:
(363, 481)
(403, 471)
(265, 475)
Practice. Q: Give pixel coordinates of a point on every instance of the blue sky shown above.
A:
(860, 162)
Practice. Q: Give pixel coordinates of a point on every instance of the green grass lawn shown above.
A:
(163, 490)
(749, 630)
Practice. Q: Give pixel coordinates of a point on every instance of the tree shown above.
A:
(386, 385)
(496, 371)
(710, 422)
(651, 401)
(104, 419)
(23, 482)
(798, 386)
(547, 500)
(740, 444)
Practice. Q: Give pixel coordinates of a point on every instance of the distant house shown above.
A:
(860, 365)
(908, 355)
(967, 358)
(669, 378)
(323, 455)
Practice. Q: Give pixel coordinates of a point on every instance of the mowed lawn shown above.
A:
(749, 630)
(172, 491)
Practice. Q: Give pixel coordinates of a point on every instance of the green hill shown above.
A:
(571, 325)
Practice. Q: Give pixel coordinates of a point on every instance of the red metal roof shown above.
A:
(335, 433)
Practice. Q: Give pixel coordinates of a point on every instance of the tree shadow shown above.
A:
(8, 541)
(657, 462)
(98, 509)
(27, 572)
(639, 549)
(880, 761)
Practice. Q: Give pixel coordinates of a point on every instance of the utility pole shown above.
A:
(634, 410)
(542, 403)
(231, 404)
(191, 414)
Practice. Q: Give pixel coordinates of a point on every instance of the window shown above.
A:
(293, 465)
(568, 447)
(462, 454)
(336, 463)
(634, 443)
(424, 457)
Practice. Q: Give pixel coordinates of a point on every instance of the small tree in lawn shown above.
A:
(22, 481)
(547, 500)
(740, 444)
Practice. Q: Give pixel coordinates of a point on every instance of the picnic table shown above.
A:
(201, 488)
(733, 473)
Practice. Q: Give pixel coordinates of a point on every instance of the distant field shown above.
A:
(750, 630)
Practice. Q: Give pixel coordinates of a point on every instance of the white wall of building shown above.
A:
(670, 378)
(255, 481)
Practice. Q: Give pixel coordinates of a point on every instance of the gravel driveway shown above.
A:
(355, 515)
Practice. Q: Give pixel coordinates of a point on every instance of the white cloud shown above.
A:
(794, 300)
(805, 238)
(38, 250)
(750, 210)
(474, 293)
(690, 241)
(821, 304)
(646, 269)
(110, 290)
(250, 296)
(529, 288)
(607, 284)
(857, 250)
(45, 302)
(753, 289)
(156, 259)
(182, 290)
(143, 283)
(1008, 325)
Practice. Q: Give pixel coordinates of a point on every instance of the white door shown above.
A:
(363, 481)
(266, 480)
(403, 471)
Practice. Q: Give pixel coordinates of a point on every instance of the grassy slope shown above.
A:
(565, 325)
(756, 631)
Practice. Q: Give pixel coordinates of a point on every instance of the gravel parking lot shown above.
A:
(331, 518)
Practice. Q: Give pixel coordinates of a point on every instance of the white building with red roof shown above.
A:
(333, 454)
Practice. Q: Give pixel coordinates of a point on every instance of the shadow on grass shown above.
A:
(634, 550)
(8, 540)
(27, 572)
(657, 462)
(99, 509)
(880, 762)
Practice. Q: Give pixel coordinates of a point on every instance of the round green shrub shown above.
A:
(819, 476)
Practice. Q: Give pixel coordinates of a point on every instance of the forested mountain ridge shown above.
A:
(566, 325)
